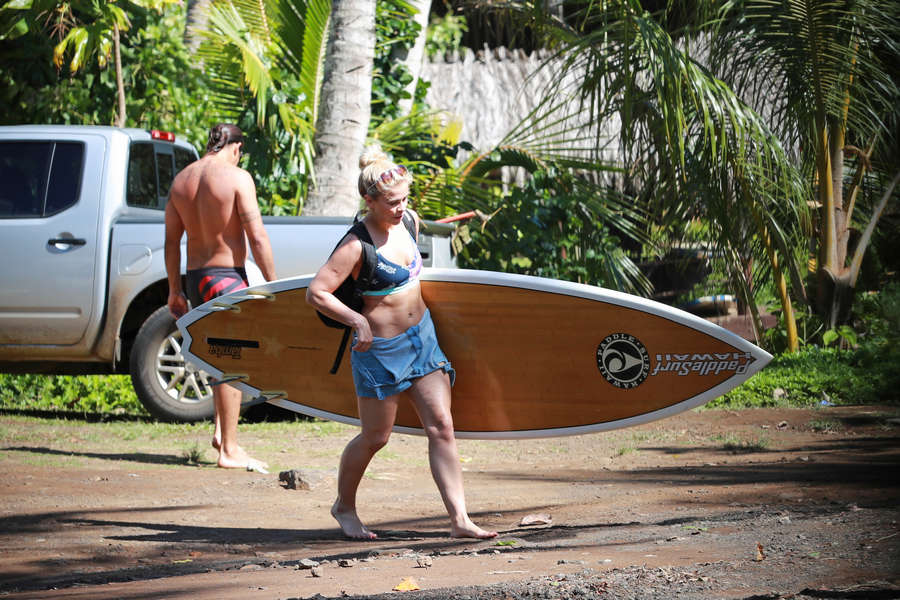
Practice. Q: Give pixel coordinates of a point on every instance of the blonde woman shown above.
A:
(395, 350)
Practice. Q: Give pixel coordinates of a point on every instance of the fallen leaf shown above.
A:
(407, 585)
(506, 543)
(759, 552)
(536, 519)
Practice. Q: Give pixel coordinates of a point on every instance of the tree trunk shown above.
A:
(344, 108)
(413, 57)
(120, 84)
(197, 17)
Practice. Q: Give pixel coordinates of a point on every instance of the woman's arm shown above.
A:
(343, 263)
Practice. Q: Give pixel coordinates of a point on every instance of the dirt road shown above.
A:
(711, 504)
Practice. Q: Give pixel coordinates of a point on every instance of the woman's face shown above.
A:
(389, 205)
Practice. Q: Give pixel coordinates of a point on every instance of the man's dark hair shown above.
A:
(223, 134)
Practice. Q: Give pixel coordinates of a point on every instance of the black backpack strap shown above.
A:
(340, 352)
(410, 222)
(361, 283)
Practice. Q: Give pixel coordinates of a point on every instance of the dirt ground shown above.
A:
(708, 504)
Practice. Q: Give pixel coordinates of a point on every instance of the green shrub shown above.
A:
(868, 375)
(97, 394)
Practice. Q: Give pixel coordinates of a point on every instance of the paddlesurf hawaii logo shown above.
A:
(229, 347)
(623, 360)
(702, 364)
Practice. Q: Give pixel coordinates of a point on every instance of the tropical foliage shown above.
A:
(695, 149)
(84, 30)
(826, 72)
(263, 61)
(164, 88)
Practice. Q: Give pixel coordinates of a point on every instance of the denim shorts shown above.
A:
(390, 364)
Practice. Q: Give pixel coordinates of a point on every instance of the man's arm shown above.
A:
(251, 221)
(174, 230)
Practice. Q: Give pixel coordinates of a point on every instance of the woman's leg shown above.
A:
(431, 397)
(377, 418)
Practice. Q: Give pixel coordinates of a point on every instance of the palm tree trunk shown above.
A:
(120, 84)
(863, 243)
(196, 20)
(413, 57)
(344, 108)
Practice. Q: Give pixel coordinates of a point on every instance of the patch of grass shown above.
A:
(825, 425)
(319, 428)
(734, 443)
(106, 394)
(625, 450)
(869, 374)
(193, 455)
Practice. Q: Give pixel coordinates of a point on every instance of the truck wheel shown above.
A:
(169, 388)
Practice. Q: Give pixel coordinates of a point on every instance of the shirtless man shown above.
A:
(214, 201)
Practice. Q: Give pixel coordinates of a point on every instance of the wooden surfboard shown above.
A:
(534, 357)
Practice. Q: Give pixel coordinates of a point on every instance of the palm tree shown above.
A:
(266, 57)
(824, 70)
(344, 107)
(693, 147)
(90, 29)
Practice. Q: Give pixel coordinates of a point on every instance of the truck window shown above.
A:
(65, 177)
(151, 172)
(142, 176)
(164, 162)
(183, 158)
(39, 179)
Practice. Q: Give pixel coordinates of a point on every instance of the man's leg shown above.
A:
(228, 410)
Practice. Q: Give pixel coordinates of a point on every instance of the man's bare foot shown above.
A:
(216, 444)
(471, 530)
(241, 460)
(350, 524)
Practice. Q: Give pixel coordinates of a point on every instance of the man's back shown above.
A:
(206, 194)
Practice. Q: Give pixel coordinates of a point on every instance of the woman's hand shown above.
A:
(363, 333)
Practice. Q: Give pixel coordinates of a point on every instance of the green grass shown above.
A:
(86, 394)
(868, 375)
(826, 425)
(734, 443)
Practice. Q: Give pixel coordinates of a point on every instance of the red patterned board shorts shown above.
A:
(211, 282)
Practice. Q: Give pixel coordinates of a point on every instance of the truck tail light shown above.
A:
(166, 136)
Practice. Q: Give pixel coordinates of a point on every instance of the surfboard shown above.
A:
(534, 357)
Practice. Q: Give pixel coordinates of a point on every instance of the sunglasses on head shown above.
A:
(389, 176)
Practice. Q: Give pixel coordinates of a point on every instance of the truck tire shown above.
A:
(169, 388)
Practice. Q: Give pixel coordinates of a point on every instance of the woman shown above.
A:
(395, 350)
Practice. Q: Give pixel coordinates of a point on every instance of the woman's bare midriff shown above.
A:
(393, 314)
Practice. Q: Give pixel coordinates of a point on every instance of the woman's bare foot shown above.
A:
(241, 460)
(350, 524)
(215, 443)
(471, 530)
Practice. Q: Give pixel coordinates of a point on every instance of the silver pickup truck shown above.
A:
(83, 283)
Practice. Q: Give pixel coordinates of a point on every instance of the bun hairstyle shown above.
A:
(374, 164)
(223, 134)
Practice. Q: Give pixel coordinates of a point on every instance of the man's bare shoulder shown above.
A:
(185, 182)
(227, 172)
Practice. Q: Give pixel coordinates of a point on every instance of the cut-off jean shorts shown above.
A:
(390, 364)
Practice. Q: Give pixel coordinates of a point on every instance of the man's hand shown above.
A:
(178, 305)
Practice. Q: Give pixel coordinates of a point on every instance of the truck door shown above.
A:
(49, 217)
